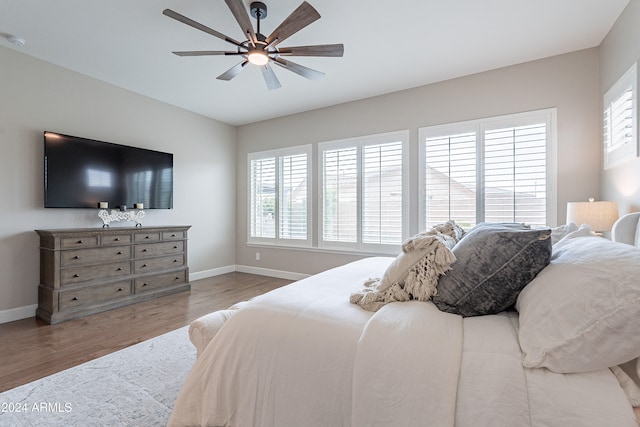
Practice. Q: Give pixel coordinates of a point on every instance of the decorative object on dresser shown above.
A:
(108, 217)
(88, 270)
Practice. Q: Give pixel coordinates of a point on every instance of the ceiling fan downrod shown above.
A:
(259, 11)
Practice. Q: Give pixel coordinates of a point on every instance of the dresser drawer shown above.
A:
(93, 295)
(116, 239)
(147, 237)
(173, 235)
(81, 274)
(91, 256)
(78, 242)
(148, 283)
(155, 249)
(158, 264)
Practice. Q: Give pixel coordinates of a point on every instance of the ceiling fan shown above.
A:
(260, 50)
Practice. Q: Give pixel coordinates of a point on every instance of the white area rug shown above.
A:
(136, 386)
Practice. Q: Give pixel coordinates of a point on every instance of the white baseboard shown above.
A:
(211, 273)
(30, 310)
(18, 313)
(280, 274)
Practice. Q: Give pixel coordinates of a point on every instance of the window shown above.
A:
(279, 184)
(363, 192)
(620, 120)
(497, 170)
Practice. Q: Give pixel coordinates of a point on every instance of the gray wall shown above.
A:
(568, 82)
(618, 51)
(37, 96)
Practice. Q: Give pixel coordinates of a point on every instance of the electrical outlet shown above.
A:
(257, 256)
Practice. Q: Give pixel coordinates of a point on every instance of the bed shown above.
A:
(306, 355)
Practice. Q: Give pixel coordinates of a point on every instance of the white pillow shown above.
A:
(582, 312)
(561, 231)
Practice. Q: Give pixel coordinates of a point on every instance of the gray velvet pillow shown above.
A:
(495, 262)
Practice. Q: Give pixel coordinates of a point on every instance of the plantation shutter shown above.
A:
(618, 121)
(263, 197)
(450, 179)
(340, 195)
(515, 173)
(382, 193)
(293, 197)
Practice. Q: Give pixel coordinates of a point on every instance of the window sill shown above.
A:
(314, 249)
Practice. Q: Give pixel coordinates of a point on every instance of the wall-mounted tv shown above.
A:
(81, 173)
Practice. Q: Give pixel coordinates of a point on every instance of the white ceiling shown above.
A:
(389, 46)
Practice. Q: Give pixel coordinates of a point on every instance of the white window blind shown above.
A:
(279, 211)
(293, 197)
(450, 179)
(382, 193)
(515, 174)
(620, 120)
(495, 170)
(363, 192)
(340, 195)
(262, 206)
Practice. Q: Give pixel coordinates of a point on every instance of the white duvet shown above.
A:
(302, 355)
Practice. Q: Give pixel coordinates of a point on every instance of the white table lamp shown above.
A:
(600, 216)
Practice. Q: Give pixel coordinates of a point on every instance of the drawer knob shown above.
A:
(76, 257)
(80, 241)
(173, 235)
(175, 247)
(76, 275)
(119, 289)
(117, 239)
(119, 269)
(144, 265)
(119, 252)
(175, 260)
(177, 277)
(74, 299)
(146, 237)
(144, 250)
(144, 284)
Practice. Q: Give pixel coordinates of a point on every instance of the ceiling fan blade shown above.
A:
(299, 69)
(270, 77)
(241, 15)
(304, 15)
(206, 53)
(233, 71)
(178, 17)
(317, 50)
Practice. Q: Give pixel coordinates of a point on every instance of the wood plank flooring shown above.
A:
(32, 349)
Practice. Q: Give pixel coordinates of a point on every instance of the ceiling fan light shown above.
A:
(258, 57)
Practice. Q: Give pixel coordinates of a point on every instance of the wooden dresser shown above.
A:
(87, 270)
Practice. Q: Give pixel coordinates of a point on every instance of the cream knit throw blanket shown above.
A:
(434, 258)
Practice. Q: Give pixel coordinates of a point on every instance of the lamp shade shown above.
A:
(600, 216)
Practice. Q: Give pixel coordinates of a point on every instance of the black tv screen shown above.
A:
(81, 173)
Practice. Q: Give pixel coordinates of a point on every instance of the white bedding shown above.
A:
(302, 355)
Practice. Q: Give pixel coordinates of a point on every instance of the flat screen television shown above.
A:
(81, 173)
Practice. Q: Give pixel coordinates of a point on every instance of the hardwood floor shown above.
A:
(32, 349)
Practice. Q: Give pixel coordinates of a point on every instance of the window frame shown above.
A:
(359, 143)
(277, 155)
(627, 151)
(480, 126)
